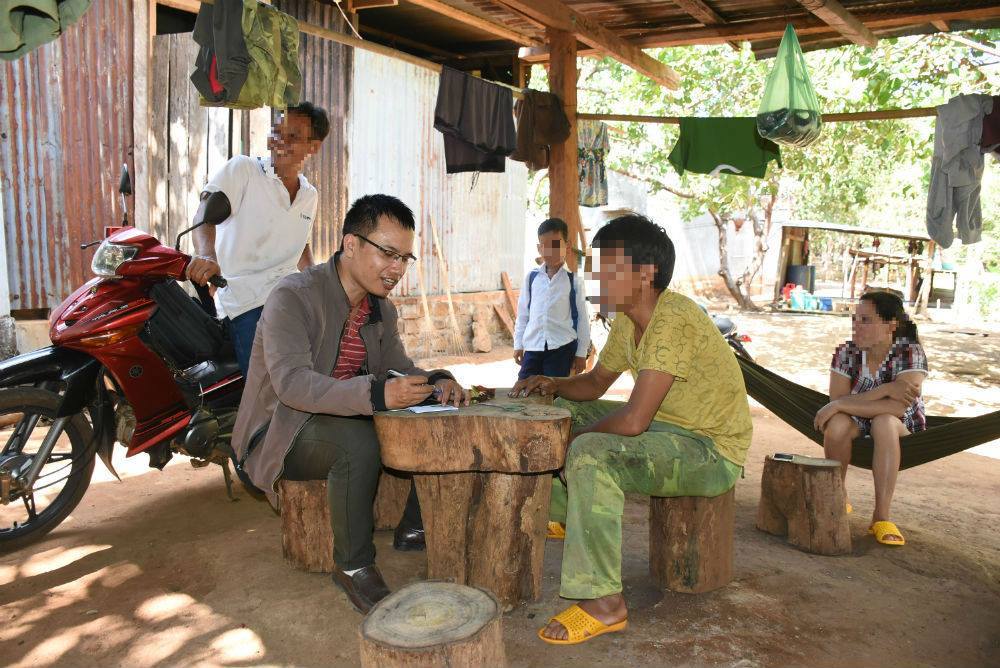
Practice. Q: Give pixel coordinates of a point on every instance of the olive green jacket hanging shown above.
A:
(249, 56)
(27, 24)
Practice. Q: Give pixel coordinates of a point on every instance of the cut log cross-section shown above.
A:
(433, 625)
(483, 475)
(804, 499)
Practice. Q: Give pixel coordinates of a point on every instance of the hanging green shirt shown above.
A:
(723, 145)
(27, 24)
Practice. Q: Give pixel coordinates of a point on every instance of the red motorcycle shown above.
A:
(135, 360)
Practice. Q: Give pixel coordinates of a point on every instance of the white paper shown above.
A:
(431, 409)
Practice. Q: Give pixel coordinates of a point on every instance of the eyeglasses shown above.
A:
(390, 254)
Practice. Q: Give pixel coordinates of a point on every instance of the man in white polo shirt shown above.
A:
(266, 237)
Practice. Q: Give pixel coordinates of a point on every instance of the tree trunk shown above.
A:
(433, 624)
(691, 541)
(805, 500)
(306, 537)
(742, 300)
(483, 475)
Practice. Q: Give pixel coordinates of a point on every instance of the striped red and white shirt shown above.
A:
(352, 348)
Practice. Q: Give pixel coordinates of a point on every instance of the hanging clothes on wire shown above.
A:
(953, 199)
(476, 118)
(541, 122)
(592, 148)
(990, 141)
(723, 146)
(25, 26)
(249, 56)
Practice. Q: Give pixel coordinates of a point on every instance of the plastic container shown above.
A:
(825, 304)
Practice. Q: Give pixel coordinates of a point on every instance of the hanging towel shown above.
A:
(249, 56)
(476, 118)
(957, 171)
(723, 146)
(541, 122)
(592, 148)
(27, 24)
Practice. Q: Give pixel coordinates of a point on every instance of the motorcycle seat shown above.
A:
(209, 372)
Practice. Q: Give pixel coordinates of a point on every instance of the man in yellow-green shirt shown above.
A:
(684, 431)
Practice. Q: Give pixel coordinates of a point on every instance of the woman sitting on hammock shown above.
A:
(875, 384)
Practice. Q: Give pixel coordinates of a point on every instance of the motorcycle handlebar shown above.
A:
(218, 281)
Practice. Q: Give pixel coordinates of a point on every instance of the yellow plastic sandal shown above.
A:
(556, 531)
(580, 626)
(886, 528)
(849, 508)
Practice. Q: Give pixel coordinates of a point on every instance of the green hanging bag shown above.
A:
(789, 114)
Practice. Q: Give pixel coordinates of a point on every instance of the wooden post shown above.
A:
(805, 500)
(691, 541)
(564, 183)
(431, 625)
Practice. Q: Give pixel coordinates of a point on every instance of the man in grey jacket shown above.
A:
(324, 347)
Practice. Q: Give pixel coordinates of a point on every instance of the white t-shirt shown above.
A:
(262, 240)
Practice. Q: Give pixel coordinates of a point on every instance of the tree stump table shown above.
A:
(483, 476)
(430, 624)
(691, 541)
(804, 499)
(306, 537)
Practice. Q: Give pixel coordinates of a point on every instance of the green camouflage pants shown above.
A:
(664, 461)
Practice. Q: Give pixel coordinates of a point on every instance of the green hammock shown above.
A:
(797, 405)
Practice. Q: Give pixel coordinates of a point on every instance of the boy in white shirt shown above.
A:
(266, 237)
(552, 334)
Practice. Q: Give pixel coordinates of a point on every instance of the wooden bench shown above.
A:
(306, 537)
(804, 499)
(691, 541)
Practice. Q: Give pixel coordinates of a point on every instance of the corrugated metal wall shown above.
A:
(326, 72)
(65, 131)
(396, 150)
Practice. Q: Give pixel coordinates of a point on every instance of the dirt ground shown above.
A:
(162, 570)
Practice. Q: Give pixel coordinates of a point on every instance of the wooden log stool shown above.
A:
(804, 499)
(431, 624)
(483, 475)
(306, 538)
(691, 541)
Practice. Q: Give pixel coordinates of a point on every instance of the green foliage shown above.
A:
(873, 173)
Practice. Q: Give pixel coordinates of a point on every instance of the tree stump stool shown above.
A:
(691, 541)
(483, 475)
(306, 537)
(430, 624)
(804, 499)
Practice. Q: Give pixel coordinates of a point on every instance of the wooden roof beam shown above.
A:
(555, 14)
(705, 14)
(941, 25)
(837, 17)
(774, 28)
(477, 22)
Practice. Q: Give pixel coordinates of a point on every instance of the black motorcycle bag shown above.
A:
(180, 331)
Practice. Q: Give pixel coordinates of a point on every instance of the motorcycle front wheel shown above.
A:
(27, 424)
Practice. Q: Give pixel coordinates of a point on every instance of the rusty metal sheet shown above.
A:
(65, 131)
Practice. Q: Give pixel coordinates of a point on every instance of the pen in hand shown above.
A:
(397, 374)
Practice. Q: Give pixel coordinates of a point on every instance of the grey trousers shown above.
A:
(345, 452)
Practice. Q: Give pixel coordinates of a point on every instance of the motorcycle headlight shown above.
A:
(109, 256)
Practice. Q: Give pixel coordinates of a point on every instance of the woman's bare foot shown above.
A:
(608, 610)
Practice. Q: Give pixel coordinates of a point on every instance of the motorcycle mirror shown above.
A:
(217, 209)
(125, 183)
